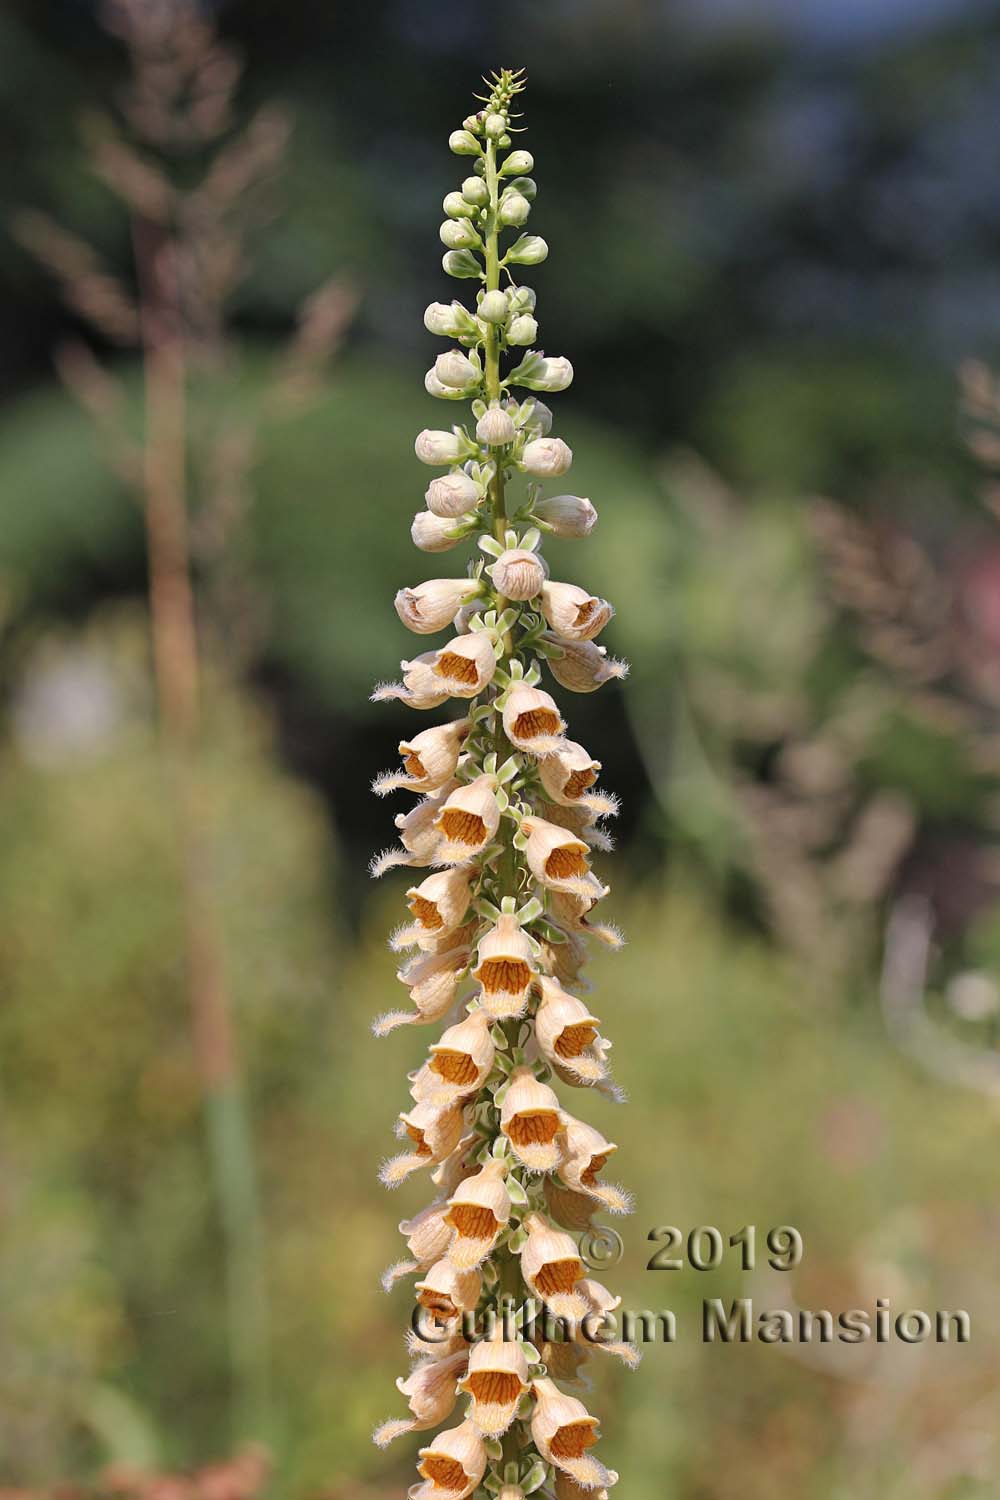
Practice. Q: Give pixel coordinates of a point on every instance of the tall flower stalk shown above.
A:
(507, 816)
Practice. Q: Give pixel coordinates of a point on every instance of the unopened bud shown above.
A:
(495, 427)
(430, 532)
(452, 495)
(455, 370)
(529, 250)
(458, 234)
(449, 320)
(545, 457)
(495, 126)
(526, 186)
(493, 307)
(464, 143)
(473, 123)
(438, 447)
(518, 574)
(522, 330)
(456, 207)
(474, 190)
(568, 515)
(540, 372)
(433, 387)
(540, 421)
(514, 209)
(516, 163)
(521, 299)
(461, 264)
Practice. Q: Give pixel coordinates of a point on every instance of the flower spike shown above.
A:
(501, 895)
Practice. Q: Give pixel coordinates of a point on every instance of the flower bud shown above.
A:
(456, 207)
(526, 186)
(432, 533)
(438, 447)
(540, 372)
(495, 126)
(543, 457)
(583, 667)
(529, 250)
(474, 124)
(450, 320)
(461, 264)
(458, 234)
(495, 427)
(521, 299)
(518, 574)
(456, 370)
(522, 330)
(434, 604)
(568, 515)
(516, 163)
(453, 494)
(493, 307)
(464, 143)
(475, 191)
(514, 209)
(540, 421)
(433, 387)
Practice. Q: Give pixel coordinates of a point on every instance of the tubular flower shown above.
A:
(563, 1430)
(497, 1378)
(531, 721)
(478, 1210)
(505, 968)
(507, 821)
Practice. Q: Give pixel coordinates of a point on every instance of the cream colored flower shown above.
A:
(583, 667)
(563, 1430)
(496, 1379)
(431, 1390)
(585, 1153)
(432, 980)
(574, 614)
(451, 495)
(565, 960)
(455, 370)
(568, 772)
(518, 573)
(551, 1267)
(430, 759)
(505, 968)
(461, 668)
(478, 1210)
(462, 1057)
(433, 533)
(495, 427)
(531, 720)
(568, 515)
(440, 902)
(434, 604)
(573, 911)
(434, 1131)
(452, 1465)
(467, 821)
(430, 695)
(566, 1032)
(439, 447)
(593, 1327)
(531, 1119)
(558, 859)
(426, 1236)
(546, 457)
(571, 1210)
(446, 1291)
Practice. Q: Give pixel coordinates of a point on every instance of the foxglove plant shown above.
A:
(507, 817)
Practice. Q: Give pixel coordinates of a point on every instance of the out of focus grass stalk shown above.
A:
(175, 651)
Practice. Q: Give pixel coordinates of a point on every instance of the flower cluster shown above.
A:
(507, 817)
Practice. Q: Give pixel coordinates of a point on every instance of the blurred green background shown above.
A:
(775, 264)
